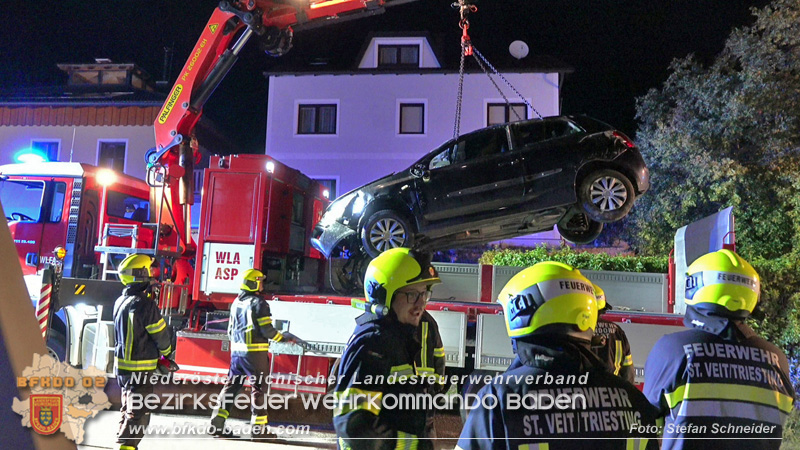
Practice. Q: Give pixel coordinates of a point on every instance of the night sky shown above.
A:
(618, 48)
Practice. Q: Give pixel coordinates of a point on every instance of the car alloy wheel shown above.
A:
(385, 230)
(606, 195)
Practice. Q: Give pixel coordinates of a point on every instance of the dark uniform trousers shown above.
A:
(431, 363)
(250, 329)
(598, 411)
(142, 336)
(376, 366)
(719, 391)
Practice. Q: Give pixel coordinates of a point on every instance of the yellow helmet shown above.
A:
(549, 297)
(600, 295)
(135, 269)
(723, 282)
(393, 269)
(251, 280)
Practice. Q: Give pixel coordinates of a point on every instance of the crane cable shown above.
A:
(467, 49)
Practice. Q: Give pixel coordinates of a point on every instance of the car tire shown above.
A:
(606, 195)
(384, 230)
(579, 229)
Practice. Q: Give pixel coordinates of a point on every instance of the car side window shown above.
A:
(443, 159)
(527, 133)
(560, 128)
(488, 143)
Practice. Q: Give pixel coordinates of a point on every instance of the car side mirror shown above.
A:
(420, 171)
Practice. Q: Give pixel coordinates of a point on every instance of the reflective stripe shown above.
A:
(224, 413)
(129, 337)
(438, 352)
(259, 420)
(264, 321)
(156, 327)
(243, 347)
(424, 370)
(369, 401)
(166, 351)
(424, 352)
(343, 445)
(405, 369)
(542, 446)
(722, 391)
(617, 357)
(636, 443)
(278, 337)
(628, 360)
(126, 447)
(406, 441)
(136, 366)
(713, 408)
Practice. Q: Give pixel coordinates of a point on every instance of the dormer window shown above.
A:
(398, 55)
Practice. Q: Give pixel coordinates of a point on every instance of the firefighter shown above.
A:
(719, 379)
(249, 329)
(610, 342)
(142, 337)
(379, 360)
(430, 361)
(550, 312)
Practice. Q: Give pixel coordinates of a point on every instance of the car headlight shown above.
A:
(335, 211)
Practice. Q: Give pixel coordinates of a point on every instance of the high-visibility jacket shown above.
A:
(250, 326)
(611, 345)
(728, 386)
(378, 364)
(559, 396)
(141, 333)
(430, 360)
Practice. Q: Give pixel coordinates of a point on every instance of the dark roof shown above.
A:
(82, 96)
(316, 52)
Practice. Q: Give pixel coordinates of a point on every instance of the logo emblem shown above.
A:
(46, 413)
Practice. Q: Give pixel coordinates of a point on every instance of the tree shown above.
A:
(727, 135)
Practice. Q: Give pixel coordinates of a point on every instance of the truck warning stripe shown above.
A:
(80, 289)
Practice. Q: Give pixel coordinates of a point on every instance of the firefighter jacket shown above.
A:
(140, 331)
(611, 345)
(517, 409)
(250, 326)
(431, 357)
(377, 366)
(728, 385)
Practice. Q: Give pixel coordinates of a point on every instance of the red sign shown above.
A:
(46, 412)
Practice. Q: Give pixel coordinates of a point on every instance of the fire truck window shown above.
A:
(127, 206)
(57, 206)
(22, 200)
(297, 209)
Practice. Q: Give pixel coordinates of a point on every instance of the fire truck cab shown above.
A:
(56, 204)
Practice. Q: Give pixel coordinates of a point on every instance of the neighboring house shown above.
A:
(102, 116)
(349, 127)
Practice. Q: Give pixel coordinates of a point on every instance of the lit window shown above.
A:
(48, 149)
(412, 118)
(498, 113)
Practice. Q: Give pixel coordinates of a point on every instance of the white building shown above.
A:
(349, 128)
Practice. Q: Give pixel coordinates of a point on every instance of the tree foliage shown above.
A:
(727, 135)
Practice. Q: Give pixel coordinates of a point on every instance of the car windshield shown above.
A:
(22, 200)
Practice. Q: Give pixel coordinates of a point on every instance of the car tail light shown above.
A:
(625, 139)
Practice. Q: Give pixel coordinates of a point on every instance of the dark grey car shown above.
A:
(499, 182)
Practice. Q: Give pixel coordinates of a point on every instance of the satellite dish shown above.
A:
(518, 49)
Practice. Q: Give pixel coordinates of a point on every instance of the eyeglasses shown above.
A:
(415, 297)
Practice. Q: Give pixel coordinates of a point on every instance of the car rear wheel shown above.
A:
(579, 229)
(606, 195)
(384, 230)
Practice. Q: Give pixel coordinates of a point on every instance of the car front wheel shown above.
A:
(606, 195)
(384, 230)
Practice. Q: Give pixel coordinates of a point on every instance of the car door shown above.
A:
(549, 153)
(470, 176)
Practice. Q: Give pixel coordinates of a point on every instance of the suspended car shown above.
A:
(572, 172)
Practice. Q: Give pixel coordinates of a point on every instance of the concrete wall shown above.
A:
(86, 147)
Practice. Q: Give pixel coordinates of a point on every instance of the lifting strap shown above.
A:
(467, 49)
